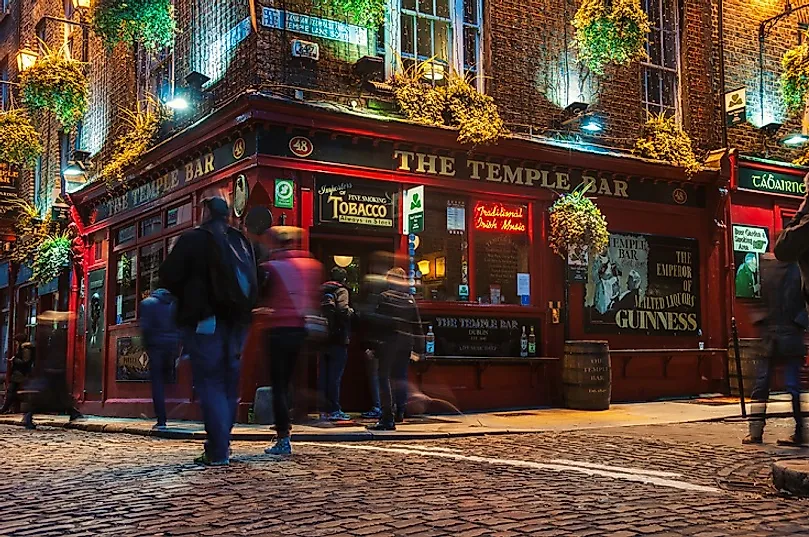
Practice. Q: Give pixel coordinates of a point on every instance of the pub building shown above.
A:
(495, 298)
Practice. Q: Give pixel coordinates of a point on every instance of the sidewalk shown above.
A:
(432, 427)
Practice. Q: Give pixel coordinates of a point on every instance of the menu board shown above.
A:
(644, 284)
(484, 335)
(353, 203)
(498, 259)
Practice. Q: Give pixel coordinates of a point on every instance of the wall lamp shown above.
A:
(770, 129)
(577, 112)
(191, 93)
(26, 58)
(77, 166)
(795, 139)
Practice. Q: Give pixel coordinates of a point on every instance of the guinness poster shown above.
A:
(644, 284)
(341, 201)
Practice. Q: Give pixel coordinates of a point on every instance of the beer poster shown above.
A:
(644, 284)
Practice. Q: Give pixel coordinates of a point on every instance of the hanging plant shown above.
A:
(795, 78)
(53, 257)
(141, 124)
(56, 83)
(610, 34)
(368, 13)
(148, 22)
(577, 224)
(418, 100)
(30, 229)
(21, 143)
(664, 139)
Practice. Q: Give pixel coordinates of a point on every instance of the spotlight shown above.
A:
(576, 109)
(770, 128)
(591, 124)
(795, 139)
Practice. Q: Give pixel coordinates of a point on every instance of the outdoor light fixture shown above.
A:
(179, 101)
(770, 128)
(795, 139)
(576, 109)
(26, 58)
(434, 71)
(76, 167)
(591, 124)
(343, 261)
(81, 4)
(184, 97)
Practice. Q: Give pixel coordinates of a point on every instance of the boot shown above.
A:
(28, 421)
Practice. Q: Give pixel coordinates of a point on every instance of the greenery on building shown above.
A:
(21, 142)
(52, 257)
(577, 224)
(30, 229)
(140, 130)
(664, 139)
(610, 32)
(148, 22)
(56, 83)
(368, 13)
(795, 78)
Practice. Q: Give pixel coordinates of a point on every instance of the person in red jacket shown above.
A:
(291, 293)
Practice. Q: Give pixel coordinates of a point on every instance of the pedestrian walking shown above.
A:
(782, 323)
(290, 295)
(162, 340)
(21, 367)
(212, 272)
(401, 333)
(335, 307)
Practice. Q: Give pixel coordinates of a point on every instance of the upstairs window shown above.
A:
(660, 72)
(5, 90)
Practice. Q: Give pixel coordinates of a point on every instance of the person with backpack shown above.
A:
(21, 367)
(212, 271)
(162, 340)
(290, 294)
(335, 307)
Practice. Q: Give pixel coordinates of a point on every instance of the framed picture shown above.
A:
(440, 267)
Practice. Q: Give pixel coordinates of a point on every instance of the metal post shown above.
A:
(735, 334)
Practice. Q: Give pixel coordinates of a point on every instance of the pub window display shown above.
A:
(501, 253)
(441, 248)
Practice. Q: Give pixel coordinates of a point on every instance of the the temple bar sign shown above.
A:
(771, 182)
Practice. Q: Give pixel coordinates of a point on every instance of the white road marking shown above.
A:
(619, 469)
(426, 448)
(648, 478)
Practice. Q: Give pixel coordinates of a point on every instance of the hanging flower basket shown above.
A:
(30, 229)
(577, 224)
(795, 78)
(615, 34)
(141, 126)
(664, 139)
(368, 13)
(21, 143)
(148, 22)
(53, 257)
(58, 84)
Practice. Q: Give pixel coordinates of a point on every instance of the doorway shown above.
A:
(354, 254)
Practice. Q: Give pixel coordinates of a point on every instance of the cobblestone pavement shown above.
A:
(661, 480)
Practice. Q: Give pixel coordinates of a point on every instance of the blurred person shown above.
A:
(398, 319)
(212, 270)
(290, 293)
(336, 307)
(792, 244)
(782, 322)
(162, 340)
(21, 366)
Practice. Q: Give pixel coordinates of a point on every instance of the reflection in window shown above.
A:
(441, 252)
(178, 215)
(125, 291)
(125, 234)
(151, 225)
(150, 259)
(172, 241)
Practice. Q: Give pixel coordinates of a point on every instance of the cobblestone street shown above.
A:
(661, 480)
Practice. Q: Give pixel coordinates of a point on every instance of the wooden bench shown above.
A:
(665, 355)
(482, 363)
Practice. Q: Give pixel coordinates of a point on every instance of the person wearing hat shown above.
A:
(212, 271)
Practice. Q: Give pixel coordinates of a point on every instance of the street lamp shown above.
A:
(26, 58)
(81, 4)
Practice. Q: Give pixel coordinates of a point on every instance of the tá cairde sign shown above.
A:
(347, 202)
(644, 284)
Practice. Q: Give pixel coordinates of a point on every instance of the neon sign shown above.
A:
(499, 217)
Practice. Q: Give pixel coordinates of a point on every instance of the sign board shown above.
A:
(750, 239)
(736, 107)
(502, 218)
(9, 179)
(284, 193)
(240, 194)
(490, 336)
(771, 182)
(644, 284)
(577, 262)
(749, 242)
(413, 219)
(133, 363)
(307, 25)
(305, 49)
(354, 203)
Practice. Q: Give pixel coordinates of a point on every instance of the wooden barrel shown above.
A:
(586, 375)
(752, 354)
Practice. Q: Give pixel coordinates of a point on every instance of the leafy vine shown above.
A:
(611, 34)
(148, 22)
(21, 142)
(368, 13)
(795, 78)
(56, 83)
(52, 257)
(141, 126)
(664, 139)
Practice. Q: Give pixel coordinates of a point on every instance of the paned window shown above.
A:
(5, 89)
(660, 72)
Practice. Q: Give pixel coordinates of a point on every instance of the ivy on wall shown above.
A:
(664, 139)
(52, 257)
(795, 78)
(148, 22)
(58, 84)
(576, 224)
(140, 130)
(368, 13)
(21, 142)
(613, 32)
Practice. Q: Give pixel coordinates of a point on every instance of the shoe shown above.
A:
(750, 439)
(282, 447)
(159, 427)
(382, 426)
(793, 440)
(373, 414)
(76, 415)
(399, 418)
(339, 416)
(204, 460)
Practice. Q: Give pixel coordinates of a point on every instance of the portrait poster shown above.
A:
(644, 284)
(749, 242)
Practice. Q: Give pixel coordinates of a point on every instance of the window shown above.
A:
(125, 291)
(661, 71)
(125, 235)
(5, 90)
(151, 225)
(445, 31)
(179, 215)
(151, 257)
(441, 256)
(5, 8)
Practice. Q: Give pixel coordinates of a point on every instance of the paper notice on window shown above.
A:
(456, 217)
(523, 284)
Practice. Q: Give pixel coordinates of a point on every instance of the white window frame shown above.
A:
(393, 33)
(5, 89)
(677, 70)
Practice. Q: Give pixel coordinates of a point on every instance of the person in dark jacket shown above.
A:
(162, 340)
(21, 367)
(337, 305)
(782, 323)
(212, 332)
(398, 320)
(792, 244)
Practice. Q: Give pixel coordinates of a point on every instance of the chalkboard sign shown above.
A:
(484, 336)
(498, 259)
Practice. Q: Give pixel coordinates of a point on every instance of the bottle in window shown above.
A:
(532, 343)
(430, 342)
(524, 344)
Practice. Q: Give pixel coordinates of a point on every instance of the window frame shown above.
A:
(661, 68)
(5, 89)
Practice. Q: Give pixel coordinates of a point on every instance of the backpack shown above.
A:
(233, 274)
(328, 309)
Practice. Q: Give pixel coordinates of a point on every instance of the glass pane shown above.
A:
(125, 234)
(409, 4)
(408, 34)
(426, 6)
(654, 48)
(178, 215)
(669, 89)
(125, 293)
(654, 13)
(470, 48)
(151, 225)
(441, 256)
(670, 50)
(443, 31)
(470, 11)
(380, 40)
(172, 241)
(150, 259)
(670, 15)
(442, 8)
(652, 85)
(425, 38)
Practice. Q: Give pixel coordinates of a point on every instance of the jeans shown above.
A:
(761, 393)
(161, 359)
(393, 364)
(285, 345)
(215, 364)
(332, 366)
(12, 397)
(372, 369)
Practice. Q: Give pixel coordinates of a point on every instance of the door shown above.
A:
(95, 330)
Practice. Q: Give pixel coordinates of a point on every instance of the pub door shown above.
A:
(94, 334)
